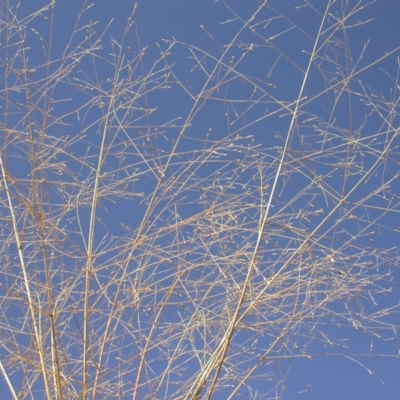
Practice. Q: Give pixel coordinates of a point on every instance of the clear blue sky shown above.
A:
(201, 28)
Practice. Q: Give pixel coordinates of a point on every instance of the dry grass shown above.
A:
(149, 253)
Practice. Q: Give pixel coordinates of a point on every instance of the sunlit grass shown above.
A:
(172, 238)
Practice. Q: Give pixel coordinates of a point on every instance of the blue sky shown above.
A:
(206, 98)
